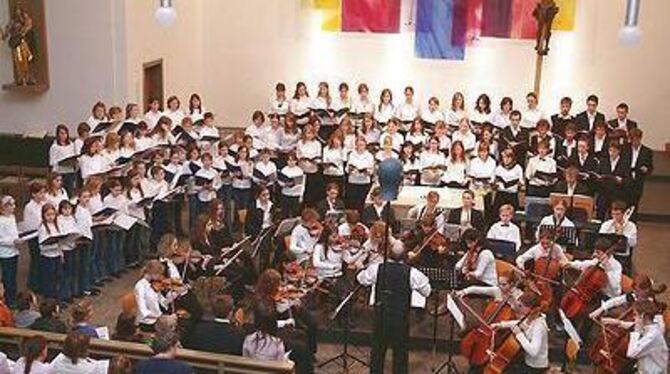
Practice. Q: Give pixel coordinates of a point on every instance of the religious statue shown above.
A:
(20, 35)
(544, 13)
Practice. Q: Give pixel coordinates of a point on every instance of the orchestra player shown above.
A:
(467, 216)
(478, 264)
(619, 225)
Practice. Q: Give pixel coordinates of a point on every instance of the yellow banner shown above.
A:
(331, 17)
(321, 4)
(565, 19)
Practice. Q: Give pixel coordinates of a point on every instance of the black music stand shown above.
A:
(347, 359)
(451, 283)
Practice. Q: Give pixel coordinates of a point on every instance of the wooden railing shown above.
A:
(218, 363)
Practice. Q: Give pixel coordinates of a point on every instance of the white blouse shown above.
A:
(61, 152)
(9, 233)
(360, 161)
(300, 106)
(337, 157)
(407, 111)
(279, 106)
(384, 113)
(508, 175)
(297, 189)
(432, 116)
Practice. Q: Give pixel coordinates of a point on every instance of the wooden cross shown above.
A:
(544, 14)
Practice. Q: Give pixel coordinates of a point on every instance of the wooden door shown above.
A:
(153, 82)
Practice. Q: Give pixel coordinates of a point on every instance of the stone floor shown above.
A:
(652, 256)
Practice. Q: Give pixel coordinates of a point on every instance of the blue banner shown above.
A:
(434, 25)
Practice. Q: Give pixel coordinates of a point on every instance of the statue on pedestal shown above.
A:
(19, 34)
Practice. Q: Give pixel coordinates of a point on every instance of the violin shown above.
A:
(476, 343)
(163, 284)
(608, 350)
(588, 285)
(434, 241)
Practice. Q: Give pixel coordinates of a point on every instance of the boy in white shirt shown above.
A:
(505, 229)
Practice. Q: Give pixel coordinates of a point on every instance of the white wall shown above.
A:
(86, 64)
(180, 47)
(252, 44)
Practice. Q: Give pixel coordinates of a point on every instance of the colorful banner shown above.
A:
(524, 25)
(381, 16)
(565, 19)
(497, 18)
(331, 16)
(467, 24)
(434, 24)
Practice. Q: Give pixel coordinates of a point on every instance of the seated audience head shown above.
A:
(165, 324)
(126, 329)
(120, 365)
(75, 346)
(49, 308)
(33, 348)
(82, 312)
(222, 306)
(265, 318)
(26, 300)
(166, 344)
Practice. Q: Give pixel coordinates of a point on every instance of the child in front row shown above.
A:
(51, 255)
(68, 225)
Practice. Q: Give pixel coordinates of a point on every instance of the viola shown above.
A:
(165, 284)
(588, 285)
(476, 343)
(608, 350)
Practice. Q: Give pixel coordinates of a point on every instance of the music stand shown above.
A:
(347, 358)
(453, 282)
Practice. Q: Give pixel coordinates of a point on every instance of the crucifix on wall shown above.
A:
(544, 13)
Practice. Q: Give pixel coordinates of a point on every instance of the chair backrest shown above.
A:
(537, 208)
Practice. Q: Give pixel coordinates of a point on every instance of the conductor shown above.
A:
(391, 295)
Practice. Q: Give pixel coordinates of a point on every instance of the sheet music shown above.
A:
(569, 328)
(125, 221)
(103, 332)
(455, 312)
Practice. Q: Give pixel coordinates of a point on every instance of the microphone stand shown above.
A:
(345, 356)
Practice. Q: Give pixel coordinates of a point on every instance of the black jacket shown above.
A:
(370, 216)
(582, 121)
(580, 189)
(215, 337)
(322, 207)
(476, 218)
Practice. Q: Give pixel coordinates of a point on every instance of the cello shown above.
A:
(546, 270)
(608, 351)
(587, 287)
(477, 342)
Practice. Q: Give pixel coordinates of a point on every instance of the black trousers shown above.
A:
(390, 332)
